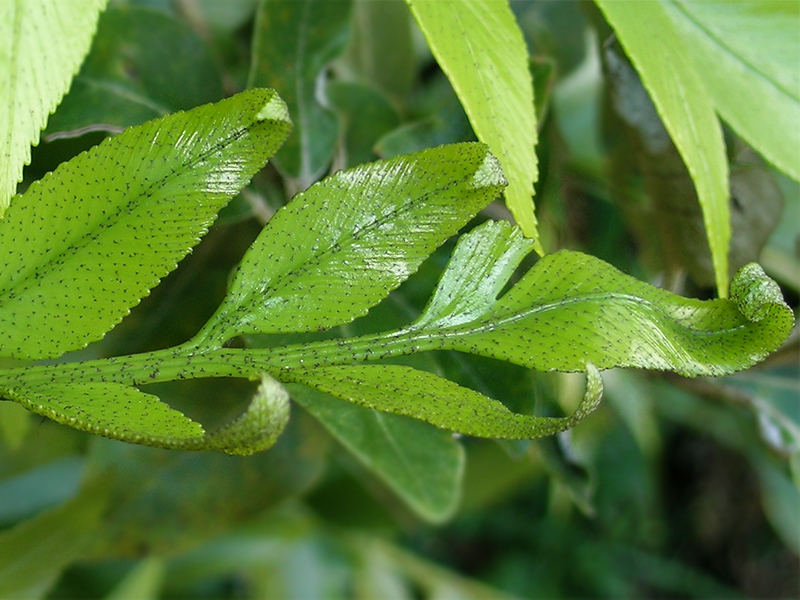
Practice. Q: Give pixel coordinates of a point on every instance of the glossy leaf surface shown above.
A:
(42, 44)
(571, 309)
(684, 104)
(479, 46)
(104, 228)
(426, 474)
(340, 247)
(294, 42)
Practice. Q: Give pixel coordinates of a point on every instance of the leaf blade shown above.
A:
(73, 239)
(682, 101)
(406, 391)
(480, 47)
(423, 466)
(341, 246)
(43, 44)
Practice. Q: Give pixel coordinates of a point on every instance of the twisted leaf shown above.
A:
(105, 227)
(571, 309)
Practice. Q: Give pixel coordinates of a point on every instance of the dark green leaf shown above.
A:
(422, 465)
(294, 42)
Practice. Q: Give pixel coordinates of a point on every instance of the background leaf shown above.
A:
(42, 45)
(104, 228)
(686, 108)
(748, 54)
(126, 81)
(338, 248)
(294, 41)
(479, 46)
(420, 464)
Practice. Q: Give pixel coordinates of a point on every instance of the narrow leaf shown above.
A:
(406, 391)
(124, 413)
(571, 309)
(42, 44)
(480, 47)
(669, 74)
(422, 465)
(748, 54)
(340, 247)
(104, 228)
(293, 43)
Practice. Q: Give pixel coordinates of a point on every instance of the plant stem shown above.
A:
(191, 363)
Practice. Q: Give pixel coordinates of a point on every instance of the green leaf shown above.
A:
(341, 246)
(422, 465)
(43, 44)
(33, 553)
(406, 391)
(167, 500)
(479, 46)
(142, 583)
(105, 227)
(125, 79)
(124, 413)
(571, 309)
(294, 41)
(679, 93)
(748, 55)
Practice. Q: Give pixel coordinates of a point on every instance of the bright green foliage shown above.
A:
(426, 474)
(42, 44)
(748, 55)
(294, 41)
(341, 246)
(682, 101)
(72, 241)
(570, 312)
(479, 46)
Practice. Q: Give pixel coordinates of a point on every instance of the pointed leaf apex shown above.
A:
(275, 109)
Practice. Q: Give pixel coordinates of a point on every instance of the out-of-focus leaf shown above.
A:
(756, 200)
(341, 246)
(226, 16)
(39, 488)
(142, 583)
(748, 55)
(294, 42)
(422, 465)
(33, 553)
(164, 500)
(480, 47)
(686, 108)
(381, 50)
(14, 424)
(124, 413)
(125, 79)
(104, 228)
(366, 116)
(43, 44)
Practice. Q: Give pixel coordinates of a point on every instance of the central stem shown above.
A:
(182, 363)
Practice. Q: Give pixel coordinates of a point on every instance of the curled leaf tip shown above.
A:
(274, 109)
(592, 395)
(757, 296)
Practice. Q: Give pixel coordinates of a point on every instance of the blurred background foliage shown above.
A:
(673, 488)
